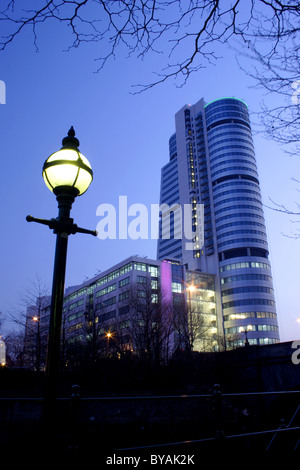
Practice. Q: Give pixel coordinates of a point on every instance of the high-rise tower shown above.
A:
(212, 162)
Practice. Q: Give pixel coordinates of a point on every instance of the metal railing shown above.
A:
(76, 403)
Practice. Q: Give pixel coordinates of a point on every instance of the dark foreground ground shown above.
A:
(134, 416)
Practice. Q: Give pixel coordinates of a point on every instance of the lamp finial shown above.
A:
(70, 141)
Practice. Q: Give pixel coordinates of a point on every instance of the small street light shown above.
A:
(107, 336)
(36, 319)
(246, 330)
(190, 289)
(68, 174)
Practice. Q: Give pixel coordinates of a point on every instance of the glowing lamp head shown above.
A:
(191, 288)
(68, 170)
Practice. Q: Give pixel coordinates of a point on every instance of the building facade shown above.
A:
(212, 163)
(139, 306)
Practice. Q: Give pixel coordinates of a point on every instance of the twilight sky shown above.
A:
(125, 138)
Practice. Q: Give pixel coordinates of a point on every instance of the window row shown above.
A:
(239, 182)
(106, 303)
(168, 242)
(229, 129)
(239, 303)
(217, 140)
(236, 191)
(177, 287)
(153, 270)
(245, 264)
(76, 304)
(238, 232)
(167, 183)
(239, 223)
(241, 290)
(74, 316)
(253, 341)
(248, 160)
(239, 206)
(244, 277)
(175, 252)
(239, 329)
(248, 148)
(124, 281)
(228, 125)
(240, 215)
(106, 290)
(118, 272)
(170, 192)
(238, 198)
(244, 315)
(219, 115)
(242, 240)
(170, 172)
(234, 169)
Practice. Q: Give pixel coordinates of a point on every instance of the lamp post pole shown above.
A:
(246, 338)
(36, 319)
(108, 336)
(68, 174)
(190, 325)
(53, 352)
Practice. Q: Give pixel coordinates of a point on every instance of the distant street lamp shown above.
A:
(68, 174)
(108, 336)
(191, 288)
(36, 319)
(246, 330)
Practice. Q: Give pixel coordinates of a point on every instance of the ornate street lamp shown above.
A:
(190, 289)
(246, 331)
(36, 319)
(107, 336)
(68, 171)
(68, 174)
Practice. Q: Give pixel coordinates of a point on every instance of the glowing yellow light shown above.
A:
(35, 318)
(67, 168)
(245, 329)
(191, 288)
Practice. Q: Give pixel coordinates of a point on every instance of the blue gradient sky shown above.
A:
(125, 137)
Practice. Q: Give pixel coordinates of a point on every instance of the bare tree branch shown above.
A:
(187, 33)
(284, 210)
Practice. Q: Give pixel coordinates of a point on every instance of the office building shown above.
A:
(212, 163)
(138, 306)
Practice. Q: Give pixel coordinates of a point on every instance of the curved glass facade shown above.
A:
(212, 162)
(245, 274)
